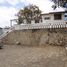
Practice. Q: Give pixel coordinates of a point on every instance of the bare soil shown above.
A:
(18, 56)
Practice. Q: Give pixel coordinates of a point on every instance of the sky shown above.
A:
(9, 8)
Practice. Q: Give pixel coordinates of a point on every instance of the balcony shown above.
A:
(48, 24)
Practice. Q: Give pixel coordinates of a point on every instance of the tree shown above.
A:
(29, 13)
(61, 3)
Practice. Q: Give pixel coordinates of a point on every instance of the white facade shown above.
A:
(51, 16)
(50, 20)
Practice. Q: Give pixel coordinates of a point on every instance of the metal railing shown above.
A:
(7, 32)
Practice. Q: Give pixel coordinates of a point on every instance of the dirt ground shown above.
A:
(18, 56)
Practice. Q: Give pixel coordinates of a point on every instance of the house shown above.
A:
(59, 17)
(49, 20)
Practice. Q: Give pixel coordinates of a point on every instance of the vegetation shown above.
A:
(29, 13)
(61, 3)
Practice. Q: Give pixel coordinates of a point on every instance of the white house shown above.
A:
(60, 16)
(49, 20)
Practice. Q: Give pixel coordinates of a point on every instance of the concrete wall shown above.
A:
(37, 37)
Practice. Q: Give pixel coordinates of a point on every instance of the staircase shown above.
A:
(5, 33)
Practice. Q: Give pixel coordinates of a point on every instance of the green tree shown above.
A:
(59, 3)
(29, 13)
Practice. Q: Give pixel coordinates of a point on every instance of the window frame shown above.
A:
(46, 18)
(57, 16)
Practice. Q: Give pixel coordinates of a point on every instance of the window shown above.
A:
(57, 17)
(47, 18)
(65, 15)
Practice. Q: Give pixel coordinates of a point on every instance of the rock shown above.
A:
(18, 43)
(66, 48)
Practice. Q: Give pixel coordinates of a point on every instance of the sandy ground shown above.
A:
(18, 56)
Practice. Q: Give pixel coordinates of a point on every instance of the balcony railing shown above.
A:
(53, 24)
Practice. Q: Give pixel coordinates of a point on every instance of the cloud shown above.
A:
(13, 2)
(6, 14)
(2, 1)
(44, 5)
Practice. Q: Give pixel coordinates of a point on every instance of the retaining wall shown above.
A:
(40, 37)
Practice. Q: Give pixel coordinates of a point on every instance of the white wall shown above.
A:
(51, 20)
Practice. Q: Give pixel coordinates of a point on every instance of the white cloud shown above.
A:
(44, 5)
(2, 1)
(6, 14)
(13, 2)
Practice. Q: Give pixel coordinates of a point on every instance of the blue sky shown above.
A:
(8, 8)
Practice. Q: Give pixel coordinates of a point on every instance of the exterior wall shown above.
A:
(51, 20)
(40, 37)
(63, 16)
(52, 17)
(43, 20)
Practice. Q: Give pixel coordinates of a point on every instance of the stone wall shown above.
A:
(39, 37)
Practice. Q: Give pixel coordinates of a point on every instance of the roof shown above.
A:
(53, 12)
(57, 10)
(45, 14)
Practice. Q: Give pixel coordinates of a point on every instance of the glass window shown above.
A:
(57, 17)
(47, 18)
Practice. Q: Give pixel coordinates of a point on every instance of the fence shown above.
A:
(54, 24)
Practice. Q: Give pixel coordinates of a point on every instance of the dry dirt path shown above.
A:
(17, 56)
